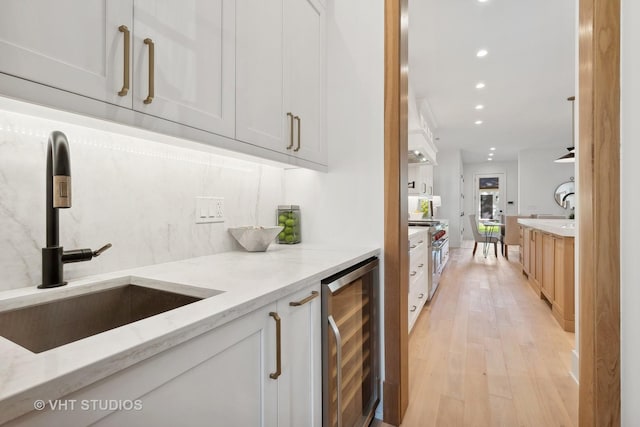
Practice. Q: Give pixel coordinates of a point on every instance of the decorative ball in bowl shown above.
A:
(255, 238)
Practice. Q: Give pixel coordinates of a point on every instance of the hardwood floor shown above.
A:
(487, 352)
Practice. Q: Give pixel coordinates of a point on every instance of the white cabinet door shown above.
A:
(220, 378)
(300, 385)
(280, 76)
(304, 76)
(194, 64)
(260, 113)
(413, 177)
(422, 176)
(73, 45)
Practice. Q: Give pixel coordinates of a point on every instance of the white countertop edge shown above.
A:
(560, 227)
(81, 363)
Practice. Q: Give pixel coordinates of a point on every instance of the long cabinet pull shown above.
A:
(314, 294)
(278, 371)
(338, 337)
(299, 122)
(152, 60)
(127, 48)
(291, 128)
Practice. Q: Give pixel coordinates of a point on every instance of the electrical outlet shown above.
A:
(209, 209)
(218, 209)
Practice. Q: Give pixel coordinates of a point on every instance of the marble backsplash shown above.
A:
(135, 193)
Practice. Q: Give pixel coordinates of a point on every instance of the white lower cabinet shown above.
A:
(419, 271)
(300, 385)
(224, 377)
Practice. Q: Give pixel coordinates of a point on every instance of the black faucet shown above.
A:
(59, 197)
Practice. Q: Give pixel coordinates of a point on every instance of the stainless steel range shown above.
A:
(439, 246)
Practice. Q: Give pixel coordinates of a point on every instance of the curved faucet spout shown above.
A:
(59, 197)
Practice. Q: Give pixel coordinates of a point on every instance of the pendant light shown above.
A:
(571, 156)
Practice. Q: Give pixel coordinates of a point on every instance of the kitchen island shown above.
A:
(243, 291)
(547, 258)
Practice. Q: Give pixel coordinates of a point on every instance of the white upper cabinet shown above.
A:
(252, 71)
(73, 45)
(280, 76)
(184, 62)
(304, 73)
(260, 110)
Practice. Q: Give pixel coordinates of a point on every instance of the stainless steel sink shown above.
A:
(48, 325)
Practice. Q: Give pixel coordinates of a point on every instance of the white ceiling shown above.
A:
(529, 73)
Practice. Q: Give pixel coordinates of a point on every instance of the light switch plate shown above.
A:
(209, 209)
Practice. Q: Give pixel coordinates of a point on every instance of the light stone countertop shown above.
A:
(247, 281)
(560, 227)
(416, 230)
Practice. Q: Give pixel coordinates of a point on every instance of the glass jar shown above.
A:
(288, 216)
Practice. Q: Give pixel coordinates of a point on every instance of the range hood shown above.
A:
(421, 148)
(416, 156)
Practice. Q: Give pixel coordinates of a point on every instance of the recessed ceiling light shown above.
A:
(482, 1)
(478, 122)
(492, 148)
(480, 85)
(491, 154)
(490, 159)
(479, 107)
(482, 53)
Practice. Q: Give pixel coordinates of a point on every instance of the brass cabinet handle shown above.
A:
(278, 371)
(127, 47)
(421, 296)
(291, 134)
(299, 121)
(152, 59)
(413, 273)
(420, 265)
(338, 338)
(313, 295)
(413, 308)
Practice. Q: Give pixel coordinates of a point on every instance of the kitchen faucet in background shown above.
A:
(59, 197)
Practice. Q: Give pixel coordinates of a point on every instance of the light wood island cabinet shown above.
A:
(548, 262)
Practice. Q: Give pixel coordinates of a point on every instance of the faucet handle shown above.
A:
(102, 249)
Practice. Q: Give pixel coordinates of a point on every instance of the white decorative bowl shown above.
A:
(413, 216)
(255, 238)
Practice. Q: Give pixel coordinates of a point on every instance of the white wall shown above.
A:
(136, 193)
(629, 208)
(510, 171)
(538, 178)
(446, 184)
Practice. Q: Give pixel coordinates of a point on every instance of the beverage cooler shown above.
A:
(351, 368)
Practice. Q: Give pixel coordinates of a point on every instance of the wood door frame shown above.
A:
(598, 213)
(396, 240)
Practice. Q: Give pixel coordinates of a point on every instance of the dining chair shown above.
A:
(482, 238)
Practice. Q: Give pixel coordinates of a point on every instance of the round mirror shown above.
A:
(565, 194)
